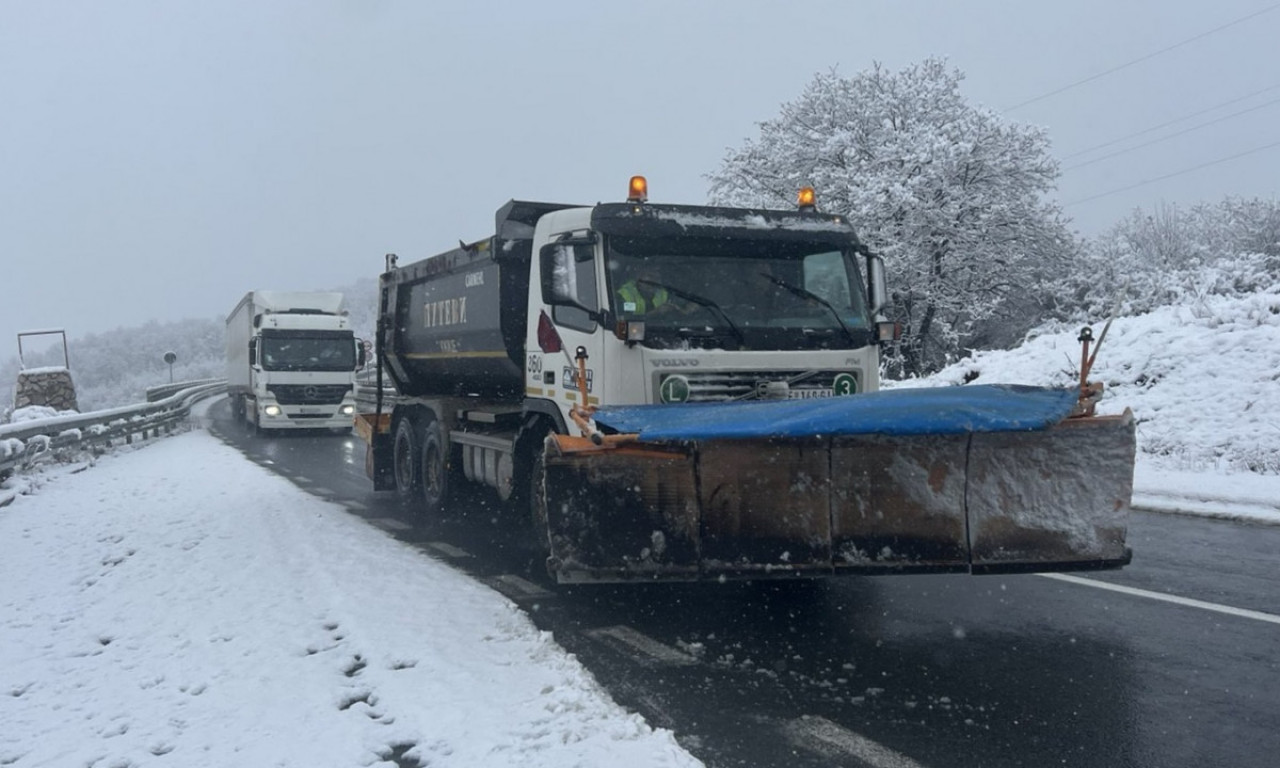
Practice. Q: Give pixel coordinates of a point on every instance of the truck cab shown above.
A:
(292, 358)
(675, 304)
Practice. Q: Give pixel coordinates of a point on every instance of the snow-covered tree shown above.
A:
(951, 194)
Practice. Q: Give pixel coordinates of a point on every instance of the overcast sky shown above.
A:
(160, 159)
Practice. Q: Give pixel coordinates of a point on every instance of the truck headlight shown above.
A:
(272, 410)
(348, 410)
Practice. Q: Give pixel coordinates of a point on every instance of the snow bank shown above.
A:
(154, 613)
(1203, 380)
(37, 412)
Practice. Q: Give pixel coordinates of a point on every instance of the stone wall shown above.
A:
(46, 386)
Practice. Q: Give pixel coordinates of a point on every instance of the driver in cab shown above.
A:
(640, 295)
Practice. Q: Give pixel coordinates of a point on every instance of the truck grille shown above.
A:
(309, 394)
(710, 387)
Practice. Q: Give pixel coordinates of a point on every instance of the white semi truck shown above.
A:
(291, 360)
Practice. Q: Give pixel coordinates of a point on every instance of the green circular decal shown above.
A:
(844, 384)
(674, 389)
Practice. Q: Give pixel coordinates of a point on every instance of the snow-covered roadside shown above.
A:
(1208, 493)
(179, 606)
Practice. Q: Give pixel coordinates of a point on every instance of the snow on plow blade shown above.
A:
(963, 479)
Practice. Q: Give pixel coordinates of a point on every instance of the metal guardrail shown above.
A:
(26, 443)
(367, 390)
(155, 394)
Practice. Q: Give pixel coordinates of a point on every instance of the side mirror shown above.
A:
(558, 263)
(559, 278)
(361, 354)
(878, 290)
(253, 351)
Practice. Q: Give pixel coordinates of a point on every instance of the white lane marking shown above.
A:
(390, 523)
(448, 550)
(643, 644)
(516, 588)
(842, 741)
(301, 479)
(1187, 601)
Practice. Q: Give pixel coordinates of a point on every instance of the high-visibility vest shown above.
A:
(630, 293)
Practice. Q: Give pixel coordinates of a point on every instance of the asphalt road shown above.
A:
(1182, 668)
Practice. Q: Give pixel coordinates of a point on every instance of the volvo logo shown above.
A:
(676, 362)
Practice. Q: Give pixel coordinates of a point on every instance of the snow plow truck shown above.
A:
(684, 392)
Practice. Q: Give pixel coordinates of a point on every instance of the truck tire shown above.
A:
(406, 458)
(534, 498)
(434, 475)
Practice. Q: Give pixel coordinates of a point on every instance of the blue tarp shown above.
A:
(934, 410)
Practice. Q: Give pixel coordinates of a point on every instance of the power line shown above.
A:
(1141, 59)
(1174, 121)
(1253, 151)
(1171, 135)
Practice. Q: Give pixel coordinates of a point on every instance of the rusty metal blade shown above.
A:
(1042, 500)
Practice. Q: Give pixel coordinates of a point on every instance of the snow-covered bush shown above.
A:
(1174, 256)
(1184, 370)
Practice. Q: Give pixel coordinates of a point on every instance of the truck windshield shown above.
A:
(775, 295)
(308, 351)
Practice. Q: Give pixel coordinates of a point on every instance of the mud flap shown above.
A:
(379, 465)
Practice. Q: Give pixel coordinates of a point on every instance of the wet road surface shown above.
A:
(937, 671)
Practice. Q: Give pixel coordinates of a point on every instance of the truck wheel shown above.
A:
(407, 458)
(435, 470)
(536, 497)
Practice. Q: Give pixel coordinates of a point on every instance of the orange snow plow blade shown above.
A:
(1049, 499)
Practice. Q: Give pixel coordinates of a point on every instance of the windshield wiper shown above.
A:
(805, 293)
(702, 300)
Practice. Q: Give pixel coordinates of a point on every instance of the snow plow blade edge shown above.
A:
(1054, 499)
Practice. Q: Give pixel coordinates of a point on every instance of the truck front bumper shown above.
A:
(274, 416)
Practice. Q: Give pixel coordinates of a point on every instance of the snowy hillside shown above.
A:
(1202, 379)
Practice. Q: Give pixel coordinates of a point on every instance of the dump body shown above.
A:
(291, 360)
(456, 322)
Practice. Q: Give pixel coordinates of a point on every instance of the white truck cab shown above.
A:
(676, 304)
(291, 361)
